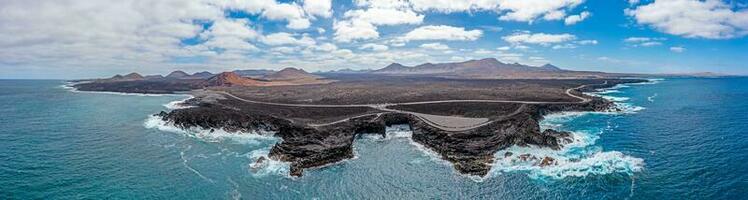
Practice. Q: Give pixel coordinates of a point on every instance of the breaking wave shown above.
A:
(69, 87)
(255, 138)
(180, 104)
(579, 157)
(269, 166)
(215, 135)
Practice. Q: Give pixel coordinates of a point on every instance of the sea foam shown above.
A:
(255, 138)
(579, 158)
(69, 87)
(216, 135)
(180, 104)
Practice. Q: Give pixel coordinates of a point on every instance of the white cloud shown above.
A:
(381, 16)
(284, 50)
(564, 46)
(538, 38)
(350, 30)
(649, 44)
(442, 32)
(587, 42)
(293, 13)
(457, 58)
(328, 47)
(298, 17)
(529, 10)
(229, 34)
(361, 24)
(504, 48)
(483, 51)
(677, 49)
(374, 47)
(238, 28)
(509, 10)
(322, 8)
(230, 43)
(711, 19)
(644, 41)
(282, 38)
(573, 19)
(435, 46)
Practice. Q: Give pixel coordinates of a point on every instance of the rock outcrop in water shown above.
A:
(304, 146)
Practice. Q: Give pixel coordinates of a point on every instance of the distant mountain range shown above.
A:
(290, 74)
(488, 68)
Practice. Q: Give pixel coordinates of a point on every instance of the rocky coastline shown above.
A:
(305, 146)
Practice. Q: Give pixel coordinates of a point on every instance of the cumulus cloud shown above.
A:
(442, 32)
(711, 19)
(509, 10)
(361, 23)
(538, 38)
(350, 30)
(230, 34)
(504, 48)
(483, 51)
(374, 47)
(282, 38)
(322, 8)
(435, 46)
(643, 41)
(298, 17)
(573, 19)
(384, 16)
(677, 49)
(328, 47)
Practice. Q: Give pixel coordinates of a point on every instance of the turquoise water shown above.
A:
(679, 139)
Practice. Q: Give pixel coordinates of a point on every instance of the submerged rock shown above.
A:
(259, 164)
(547, 161)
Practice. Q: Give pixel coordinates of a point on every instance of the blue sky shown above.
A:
(79, 39)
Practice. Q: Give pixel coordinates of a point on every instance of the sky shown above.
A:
(67, 39)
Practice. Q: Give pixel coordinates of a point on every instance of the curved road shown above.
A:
(463, 123)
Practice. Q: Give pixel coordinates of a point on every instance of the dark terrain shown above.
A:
(466, 120)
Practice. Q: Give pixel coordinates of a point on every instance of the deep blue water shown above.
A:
(688, 142)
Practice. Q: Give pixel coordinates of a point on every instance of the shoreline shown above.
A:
(477, 166)
(607, 162)
(472, 163)
(69, 86)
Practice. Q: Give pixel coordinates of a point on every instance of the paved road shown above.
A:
(448, 123)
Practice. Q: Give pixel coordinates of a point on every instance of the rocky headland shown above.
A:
(307, 145)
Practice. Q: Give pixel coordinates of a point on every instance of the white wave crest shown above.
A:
(216, 135)
(392, 132)
(564, 164)
(69, 87)
(608, 92)
(651, 98)
(180, 104)
(269, 166)
(578, 158)
(650, 81)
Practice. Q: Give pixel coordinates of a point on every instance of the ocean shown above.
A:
(675, 139)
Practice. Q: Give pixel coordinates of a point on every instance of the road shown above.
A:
(447, 123)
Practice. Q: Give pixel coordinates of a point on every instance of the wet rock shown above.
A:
(259, 164)
(471, 151)
(547, 161)
(524, 157)
(507, 154)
